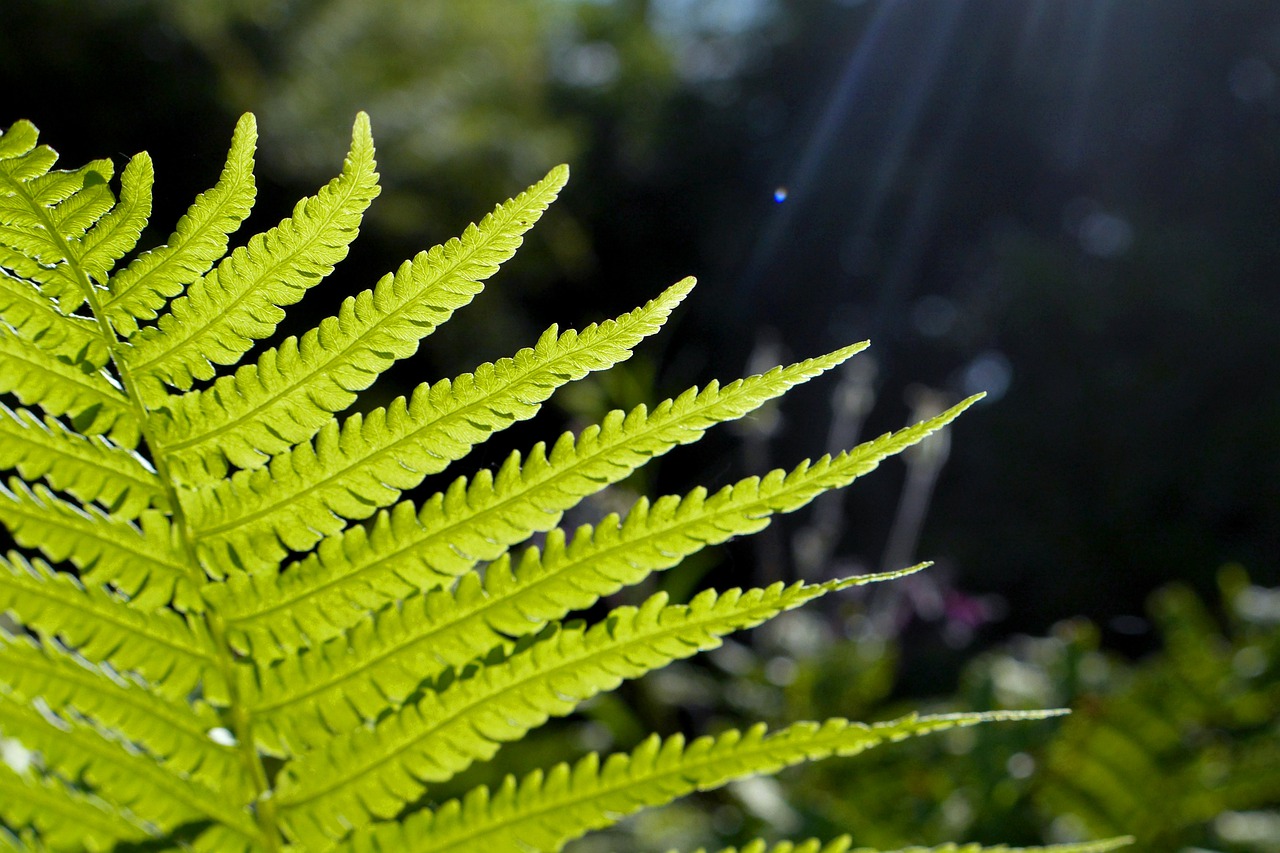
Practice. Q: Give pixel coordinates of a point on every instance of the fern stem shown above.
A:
(242, 722)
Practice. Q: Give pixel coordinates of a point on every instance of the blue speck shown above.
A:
(780, 195)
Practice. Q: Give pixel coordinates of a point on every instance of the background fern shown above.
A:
(251, 641)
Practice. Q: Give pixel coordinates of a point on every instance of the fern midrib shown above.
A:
(166, 344)
(602, 448)
(224, 661)
(441, 422)
(762, 609)
(257, 411)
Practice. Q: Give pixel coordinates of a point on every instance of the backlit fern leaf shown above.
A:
(247, 644)
(293, 390)
(545, 810)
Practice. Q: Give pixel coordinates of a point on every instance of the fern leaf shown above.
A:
(175, 732)
(172, 654)
(139, 290)
(350, 680)
(122, 776)
(389, 655)
(370, 773)
(65, 818)
(224, 312)
(88, 467)
(44, 215)
(116, 233)
(362, 466)
(139, 560)
(844, 844)
(424, 633)
(293, 390)
(544, 811)
(37, 377)
(406, 550)
(67, 224)
(33, 316)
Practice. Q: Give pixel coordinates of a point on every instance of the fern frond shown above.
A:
(358, 468)
(139, 290)
(370, 773)
(179, 687)
(172, 654)
(405, 549)
(173, 731)
(65, 818)
(348, 681)
(140, 560)
(90, 468)
(544, 811)
(225, 311)
(121, 775)
(38, 377)
(33, 316)
(844, 844)
(293, 390)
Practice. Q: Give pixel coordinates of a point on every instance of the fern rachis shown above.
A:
(249, 640)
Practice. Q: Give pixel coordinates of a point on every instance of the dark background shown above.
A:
(1071, 204)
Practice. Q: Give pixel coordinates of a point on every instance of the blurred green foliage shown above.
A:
(1181, 749)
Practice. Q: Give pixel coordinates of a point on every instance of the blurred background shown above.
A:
(1073, 205)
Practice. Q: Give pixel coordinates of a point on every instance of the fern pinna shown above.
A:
(243, 639)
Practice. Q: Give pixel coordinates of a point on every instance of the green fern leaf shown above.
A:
(339, 686)
(224, 312)
(38, 377)
(116, 233)
(87, 467)
(33, 316)
(142, 288)
(407, 550)
(365, 773)
(358, 468)
(388, 656)
(44, 215)
(173, 655)
(139, 560)
(294, 389)
(544, 811)
(174, 731)
(66, 819)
